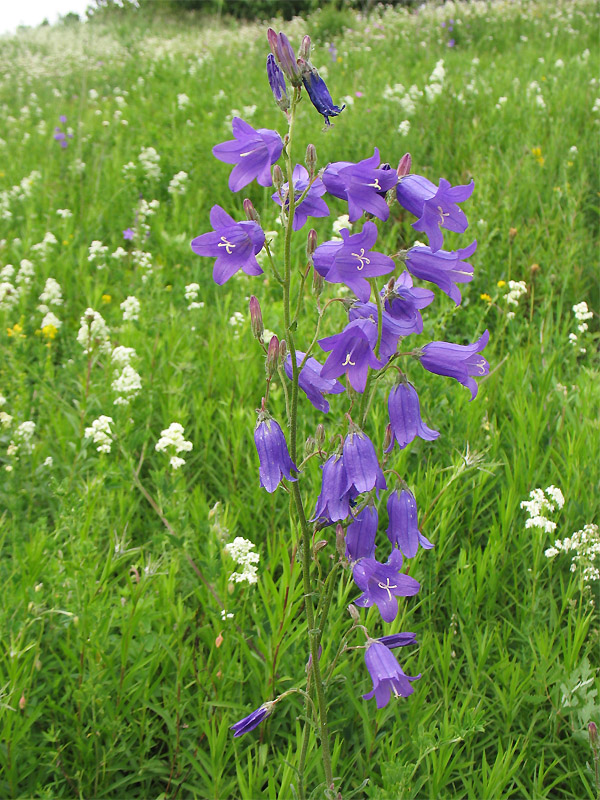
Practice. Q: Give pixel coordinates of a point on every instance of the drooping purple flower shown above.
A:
(405, 417)
(360, 534)
(352, 261)
(252, 151)
(318, 92)
(234, 244)
(363, 185)
(252, 720)
(386, 674)
(352, 353)
(312, 205)
(273, 455)
(397, 640)
(382, 584)
(403, 529)
(61, 137)
(333, 504)
(311, 381)
(361, 463)
(435, 206)
(404, 302)
(128, 234)
(443, 267)
(277, 83)
(457, 361)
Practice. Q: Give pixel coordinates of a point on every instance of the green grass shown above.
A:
(118, 677)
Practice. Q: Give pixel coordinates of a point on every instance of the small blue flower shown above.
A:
(252, 720)
(319, 93)
(386, 674)
(273, 454)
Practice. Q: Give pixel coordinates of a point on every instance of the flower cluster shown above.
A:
(93, 334)
(172, 437)
(542, 503)
(582, 314)
(130, 308)
(100, 433)
(178, 184)
(585, 547)
(242, 552)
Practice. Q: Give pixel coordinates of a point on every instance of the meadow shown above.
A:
(127, 650)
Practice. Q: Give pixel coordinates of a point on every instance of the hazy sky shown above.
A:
(32, 12)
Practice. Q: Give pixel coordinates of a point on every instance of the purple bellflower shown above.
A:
(397, 640)
(234, 244)
(352, 353)
(382, 584)
(333, 504)
(318, 92)
(404, 302)
(405, 417)
(386, 674)
(352, 261)
(390, 330)
(312, 205)
(61, 137)
(128, 234)
(285, 56)
(403, 529)
(443, 268)
(435, 206)
(457, 361)
(311, 382)
(277, 83)
(252, 151)
(360, 535)
(361, 463)
(273, 455)
(363, 185)
(252, 720)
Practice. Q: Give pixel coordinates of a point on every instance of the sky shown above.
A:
(32, 12)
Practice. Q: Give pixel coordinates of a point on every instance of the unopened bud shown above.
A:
(340, 543)
(593, 733)
(304, 50)
(278, 180)
(272, 356)
(311, 158)
(250, 211)
(282, 351)
(534, 269)
(353, 611)
(219, 640)
(272, 39)
(309, 446)
(22, 702)
(512, 232)
(387, 439)
(317, 283)
(404, 166)
(320, 434)
(256, 320)
(311, 242)
(319, 545)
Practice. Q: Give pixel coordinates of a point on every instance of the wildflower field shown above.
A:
(152, 584)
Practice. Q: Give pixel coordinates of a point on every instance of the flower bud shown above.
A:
(272, 356)
(278, 180)
(250, 211)
(272, 39)
(387, 439)
(320, 434)
(319, 546)
(353, 611)
(404, 165)
(311, 158)
(593, 733)
(256, 320)
(304, 50)
(512, 233)
(282, 351)
(309, 446)
(340, 541)
(317, 283)
(311, 242)
(22, 701)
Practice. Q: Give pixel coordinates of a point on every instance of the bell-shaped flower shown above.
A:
(318, 92)
(457, 361)
(405, 417)
(435, 206)
(404, 301)
(382, 584)
(443, 267)
(273, 454)
(360, 534)
(352, 353)
(403, 529)
(361, 463)
(312, 205)
(234, 244)
(333, 504)
(363, 185)
(397, 640)
(277, 83)
(311, 381)
(252, 151)
(252, 720)
(352, 261)
(386, 674)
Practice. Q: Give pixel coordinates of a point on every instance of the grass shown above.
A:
(118, 675)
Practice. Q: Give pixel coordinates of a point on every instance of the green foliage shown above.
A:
(119, 672)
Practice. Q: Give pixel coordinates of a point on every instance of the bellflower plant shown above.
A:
(365, 338)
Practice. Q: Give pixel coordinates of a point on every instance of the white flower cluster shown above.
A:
(191, 295)
(182, 101)
(149, 159)
(585, 546)
(127, 383)
(97, 252)
(25, 273)
(540, 505)
(242, 552)
(21, 191)
(93, 333)
(173, 437)
(178, 183)
(50, 320)
(43, 247)
(22, 439)
(516, 289)
(100, 433)
(535, 90)
(9, 295)
(143, 260)
(50, 296)
(404, 127)
(119, 253)
(343, 221)
(436, 81)
(582, 313)
(130, 308)
(64, 213)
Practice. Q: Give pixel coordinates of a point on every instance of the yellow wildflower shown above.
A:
(500, 284)
(486, 297)
(15, 330)
(106, 298)
(49, 331)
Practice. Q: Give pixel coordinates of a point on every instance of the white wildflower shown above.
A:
(404, 127)
(130, 308)
(9, 295)
(149, 159)
(516, 290)
(50, 320)
(182, 101)
(242, 552)
(97, 252)
(177, 185)
(65, 213)
(173, 437)
(93, 333)
(50, 296)
(582, 312)
(122, 356)
(100, 433)
(127, 384)
(25, 273)
(22, 439)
